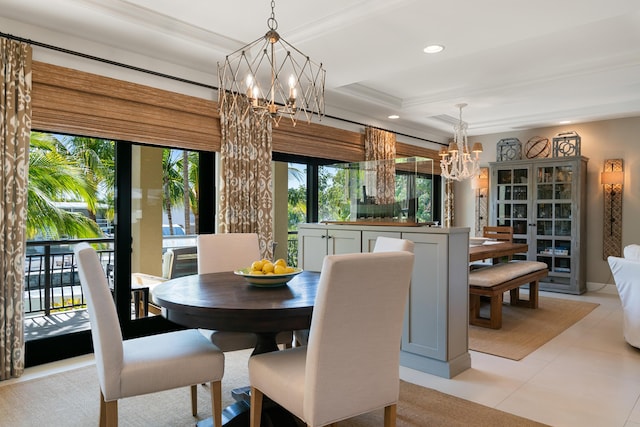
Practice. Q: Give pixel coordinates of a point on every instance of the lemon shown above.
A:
(257, 266)
(267, 267)
(256, 272)
(289, 270)
(281, 262)
(279, 269)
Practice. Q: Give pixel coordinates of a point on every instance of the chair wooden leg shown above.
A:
(216, 402)
(103, 411)
(256, 407)
(194, 400)
(390, 415)
(108, 412)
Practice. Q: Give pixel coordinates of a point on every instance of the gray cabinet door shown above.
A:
(315, 243)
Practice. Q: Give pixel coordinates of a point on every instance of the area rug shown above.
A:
(71, 399)
(524, 330)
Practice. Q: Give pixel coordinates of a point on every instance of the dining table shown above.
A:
(227, 302)
(495, 249)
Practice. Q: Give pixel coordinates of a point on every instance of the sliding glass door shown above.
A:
(134, 203)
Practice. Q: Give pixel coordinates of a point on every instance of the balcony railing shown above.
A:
(292, 249)
(51, 281)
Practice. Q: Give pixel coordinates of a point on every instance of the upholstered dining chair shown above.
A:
(230, 252)
(383, 244)
(351, 363)
(392, 244)
(142, 365)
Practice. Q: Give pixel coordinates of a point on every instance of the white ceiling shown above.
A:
(518, 64)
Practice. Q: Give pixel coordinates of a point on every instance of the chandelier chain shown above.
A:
(271, 21)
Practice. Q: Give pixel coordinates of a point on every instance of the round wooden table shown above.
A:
(227, 302)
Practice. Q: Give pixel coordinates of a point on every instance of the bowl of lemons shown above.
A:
(268, 273)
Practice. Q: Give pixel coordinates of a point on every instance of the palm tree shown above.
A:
(54, 176)
(185, 186)
(96, 158)
(172, 184)
(193, 186)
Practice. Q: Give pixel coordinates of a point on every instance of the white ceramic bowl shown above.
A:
(267, 280)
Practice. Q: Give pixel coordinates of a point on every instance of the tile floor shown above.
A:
(586, 376)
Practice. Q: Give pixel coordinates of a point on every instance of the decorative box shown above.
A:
(566, 144)
(509, 149)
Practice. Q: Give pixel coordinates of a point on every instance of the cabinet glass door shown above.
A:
(512, 202)
(554, 224)
(513, 199)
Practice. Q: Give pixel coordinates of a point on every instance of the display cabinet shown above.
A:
(544, 201)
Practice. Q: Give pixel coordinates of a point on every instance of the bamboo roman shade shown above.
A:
(408, 150)
(315, 140)
(75, 102)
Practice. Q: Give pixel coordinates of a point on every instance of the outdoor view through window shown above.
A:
(71, 199)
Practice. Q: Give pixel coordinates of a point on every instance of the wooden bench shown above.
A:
(494, 280)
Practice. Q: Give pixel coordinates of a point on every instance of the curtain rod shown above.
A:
(175, 78)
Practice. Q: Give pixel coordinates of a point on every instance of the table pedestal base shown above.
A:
(238, 414)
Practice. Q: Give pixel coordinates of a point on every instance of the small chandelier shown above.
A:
(456, 162)
(274, 77)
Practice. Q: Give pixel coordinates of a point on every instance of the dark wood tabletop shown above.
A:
(496, 250)
(227, 302)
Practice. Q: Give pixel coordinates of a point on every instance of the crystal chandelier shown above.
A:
(456, 162)
(274, 77)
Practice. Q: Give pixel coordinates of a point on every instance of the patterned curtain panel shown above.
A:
(380, 145)
(15, 129)
(246, 196)
(448, 203)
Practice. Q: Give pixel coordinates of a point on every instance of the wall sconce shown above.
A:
(480, 184)
(612, 179)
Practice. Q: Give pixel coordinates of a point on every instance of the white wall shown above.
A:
(608, 139)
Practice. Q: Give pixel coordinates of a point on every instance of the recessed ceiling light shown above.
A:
(434, 48)
(394, 116)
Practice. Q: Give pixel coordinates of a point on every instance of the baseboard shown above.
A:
(602, 287)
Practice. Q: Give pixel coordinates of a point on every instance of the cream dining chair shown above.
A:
(392, 244)
(142, 365)
(383, 244)
(229, 252)
(351, 363)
